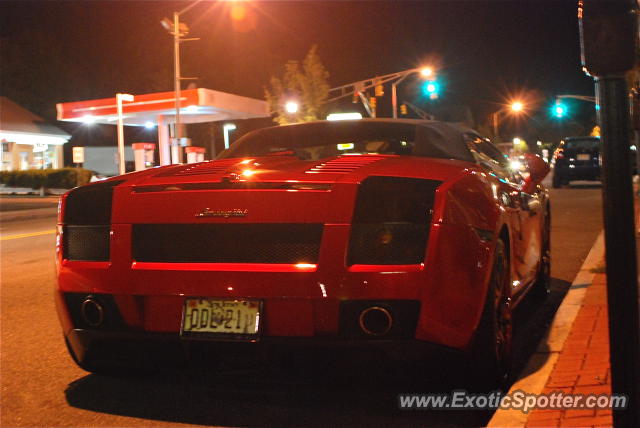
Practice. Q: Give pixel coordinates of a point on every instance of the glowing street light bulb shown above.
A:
(291, 107)
(517, 106)
(426, 72)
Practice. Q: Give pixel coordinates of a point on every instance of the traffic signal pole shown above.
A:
(608, 40)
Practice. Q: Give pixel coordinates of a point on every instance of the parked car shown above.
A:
(395, 234)
(576, 158)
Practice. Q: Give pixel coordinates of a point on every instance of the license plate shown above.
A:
(223, 319)
(583, 157)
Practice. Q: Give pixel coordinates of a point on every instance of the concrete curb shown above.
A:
(551, 344)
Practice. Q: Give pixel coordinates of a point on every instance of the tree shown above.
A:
(306, 85)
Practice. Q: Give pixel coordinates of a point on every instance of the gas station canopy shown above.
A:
(197, 106)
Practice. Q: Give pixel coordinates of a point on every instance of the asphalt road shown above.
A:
(42, 387)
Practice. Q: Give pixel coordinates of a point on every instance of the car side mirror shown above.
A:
(538, 170)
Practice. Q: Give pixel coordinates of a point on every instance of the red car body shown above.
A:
(279, 230)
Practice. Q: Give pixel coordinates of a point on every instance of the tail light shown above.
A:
(87, 222)
(391, 221)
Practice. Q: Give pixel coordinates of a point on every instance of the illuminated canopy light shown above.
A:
(291, 107)
(148, 124)
(32, 139)
(229, 126)
(191, 109)
(88, 119)
(344, 116)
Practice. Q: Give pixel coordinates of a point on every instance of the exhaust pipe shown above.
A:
(375, 321)
(92, 312)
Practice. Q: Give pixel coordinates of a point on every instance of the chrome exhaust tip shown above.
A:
(92, 312)
(375, 321)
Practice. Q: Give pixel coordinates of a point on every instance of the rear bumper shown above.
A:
(579, 172)
(155, 350)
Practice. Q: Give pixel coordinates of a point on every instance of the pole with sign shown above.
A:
(78, 160)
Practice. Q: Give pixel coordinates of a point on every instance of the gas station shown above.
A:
(200, 105)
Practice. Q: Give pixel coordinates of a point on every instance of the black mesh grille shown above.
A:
(227, 243)
(87, 243)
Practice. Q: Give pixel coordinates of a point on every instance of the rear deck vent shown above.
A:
(211, 167)
(344, 164)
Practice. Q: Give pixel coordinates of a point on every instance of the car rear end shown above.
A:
(578, 158)
(335, 254)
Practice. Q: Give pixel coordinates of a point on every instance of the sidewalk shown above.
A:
(583, 364)
(574, 356)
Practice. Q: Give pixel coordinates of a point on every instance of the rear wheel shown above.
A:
(491, 351)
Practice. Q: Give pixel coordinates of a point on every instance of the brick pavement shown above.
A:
(583, 364)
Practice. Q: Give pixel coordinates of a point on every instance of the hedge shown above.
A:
(64, 178)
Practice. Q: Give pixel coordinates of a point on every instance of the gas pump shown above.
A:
(143, 155)
(194, 154)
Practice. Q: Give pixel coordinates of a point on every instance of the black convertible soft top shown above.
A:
(432, 138)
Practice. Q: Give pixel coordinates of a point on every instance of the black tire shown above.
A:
(541, 287)
(491, 350)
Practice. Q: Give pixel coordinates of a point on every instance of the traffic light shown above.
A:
(403, 109)
(379, 90)
(373, 102)
(431, 88)
(559, 110)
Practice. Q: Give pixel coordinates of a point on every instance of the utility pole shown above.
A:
(609, 30)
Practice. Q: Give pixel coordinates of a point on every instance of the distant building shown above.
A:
(28, 141)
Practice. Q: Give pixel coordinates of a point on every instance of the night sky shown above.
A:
(485, 52)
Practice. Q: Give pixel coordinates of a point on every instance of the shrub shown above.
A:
(64, 178)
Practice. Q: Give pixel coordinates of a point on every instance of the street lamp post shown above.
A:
(515, 107)
(178, 30)
(426, 72)
(119, 99)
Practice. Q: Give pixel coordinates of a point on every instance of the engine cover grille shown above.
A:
(227, 243)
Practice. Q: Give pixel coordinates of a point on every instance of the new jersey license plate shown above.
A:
(222, 319)
(583, 157)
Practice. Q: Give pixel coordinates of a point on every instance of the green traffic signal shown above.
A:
(559, 110)
(431, 88)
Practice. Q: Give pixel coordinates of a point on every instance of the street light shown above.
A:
(514, 107)
(426, 72)
(119, 99)
(291, 107)
(178, 29)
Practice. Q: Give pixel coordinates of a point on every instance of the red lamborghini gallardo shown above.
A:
(367, 233)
